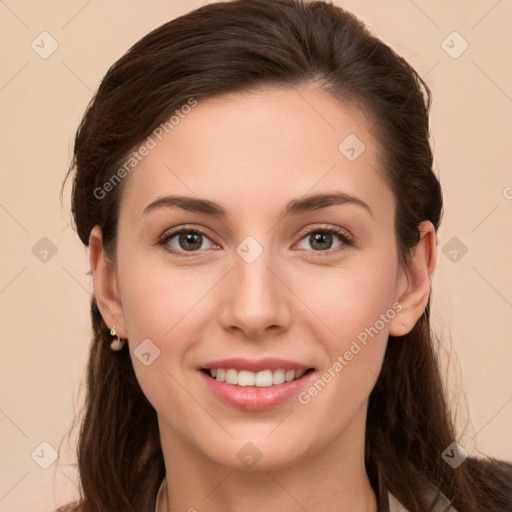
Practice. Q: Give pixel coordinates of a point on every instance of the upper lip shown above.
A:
(256, 365)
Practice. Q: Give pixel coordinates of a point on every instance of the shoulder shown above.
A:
(477, 484)
(488, 482)
(492, 481)
(74, 506)
(442, 504)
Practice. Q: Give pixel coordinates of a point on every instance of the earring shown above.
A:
(116, 344)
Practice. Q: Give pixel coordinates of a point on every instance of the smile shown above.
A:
(255, 384)
(264, 378)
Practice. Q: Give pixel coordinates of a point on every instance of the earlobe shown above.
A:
(413, 295)
(105, 284)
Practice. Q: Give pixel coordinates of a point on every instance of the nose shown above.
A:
(255, 301)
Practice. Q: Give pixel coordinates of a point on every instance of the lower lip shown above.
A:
(253, 398)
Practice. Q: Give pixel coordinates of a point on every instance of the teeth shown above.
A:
(231, 377)
(265, 378)
(245, 378)
(278, 377)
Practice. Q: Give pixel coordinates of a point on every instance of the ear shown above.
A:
(105, 284)
(414, 281)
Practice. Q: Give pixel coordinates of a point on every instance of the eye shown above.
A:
(184, 240)
(322, 239)
(191, 240)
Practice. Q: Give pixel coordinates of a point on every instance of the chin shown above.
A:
(260, 454)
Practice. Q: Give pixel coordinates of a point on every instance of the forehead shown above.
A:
(269, 143)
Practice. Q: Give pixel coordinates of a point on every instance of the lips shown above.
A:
(256, 365)
(255, 384)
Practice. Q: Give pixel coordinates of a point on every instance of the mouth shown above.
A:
(255, 385)
(261, 379)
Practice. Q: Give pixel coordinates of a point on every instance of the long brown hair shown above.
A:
(233, 47)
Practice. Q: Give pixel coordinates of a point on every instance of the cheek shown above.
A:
(166, 307)
(354, 359)
(353, 307)
(349, 299)
(159, 300)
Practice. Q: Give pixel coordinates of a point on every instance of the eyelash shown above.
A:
(343, 236)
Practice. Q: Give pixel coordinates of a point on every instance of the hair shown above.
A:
(236, 47)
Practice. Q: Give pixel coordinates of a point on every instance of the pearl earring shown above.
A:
(116, 344)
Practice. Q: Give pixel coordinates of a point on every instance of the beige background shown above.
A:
(44, 305)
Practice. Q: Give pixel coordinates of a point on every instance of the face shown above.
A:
(277, 282)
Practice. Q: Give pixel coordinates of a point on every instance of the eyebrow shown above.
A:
(294, 207)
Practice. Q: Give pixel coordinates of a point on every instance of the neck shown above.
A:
(333, 478)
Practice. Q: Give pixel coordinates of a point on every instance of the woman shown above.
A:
(254, 181)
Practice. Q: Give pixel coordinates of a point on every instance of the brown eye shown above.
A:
(321, 240)
(184, 240)
(190, 241)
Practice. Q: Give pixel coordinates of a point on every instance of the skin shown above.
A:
(252, 153)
